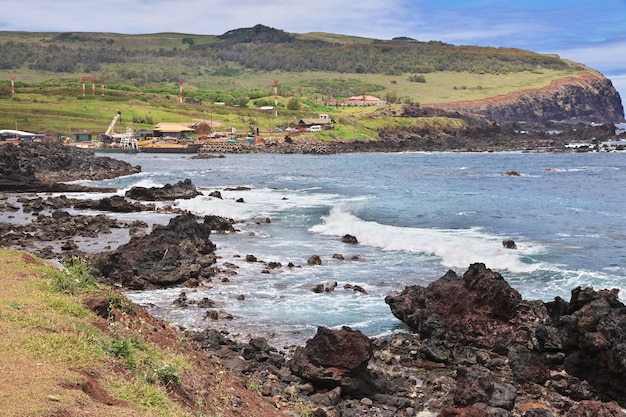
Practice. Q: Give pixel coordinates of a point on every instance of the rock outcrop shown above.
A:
(34, 167)
(573, 349)
(181, 190)
(177, 254)
(585, 98)
(335, 358)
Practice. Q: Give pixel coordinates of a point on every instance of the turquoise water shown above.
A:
(416, 215)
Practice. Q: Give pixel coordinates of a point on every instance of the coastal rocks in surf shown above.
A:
(181, 190)
(573, 350)
(335, 358)
(509, 244)
(59, 227)
(115, 204)
(476, 309)
(39, 167)
(350, 239)
(179, 253)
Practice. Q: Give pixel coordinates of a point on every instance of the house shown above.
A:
(323, 120)
(16, 134)
(364, 100)
(180, 130)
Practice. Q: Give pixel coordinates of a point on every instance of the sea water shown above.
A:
(415, 216)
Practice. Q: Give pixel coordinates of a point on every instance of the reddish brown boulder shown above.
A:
(334, 358)
(476, 308)
(595, 409)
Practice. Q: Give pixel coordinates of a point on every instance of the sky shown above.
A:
(591, 32)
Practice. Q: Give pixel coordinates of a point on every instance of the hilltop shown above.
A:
(246, 69)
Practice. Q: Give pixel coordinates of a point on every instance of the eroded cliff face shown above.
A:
(585, 98)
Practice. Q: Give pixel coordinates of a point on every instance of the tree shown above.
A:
(243, 101)
(293, 103)
(5, 90)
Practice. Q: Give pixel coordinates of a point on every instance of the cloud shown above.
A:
(607, 56)
(373, 17)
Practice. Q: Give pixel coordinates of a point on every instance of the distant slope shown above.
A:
(260, 49)
(583, 98)
(318, 66)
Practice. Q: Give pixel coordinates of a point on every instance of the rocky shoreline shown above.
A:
(475, 348)
(482, 135)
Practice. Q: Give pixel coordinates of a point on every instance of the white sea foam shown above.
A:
(257, 203)
(457, 248)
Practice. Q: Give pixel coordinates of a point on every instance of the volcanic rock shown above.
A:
(476, 308)
(582, 98)
(170, 255)
(116, 204)
(578, 347)
(181, 190)
(39, 167)
(349, 239)
(335, 358)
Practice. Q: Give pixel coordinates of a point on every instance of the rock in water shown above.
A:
(181, 190)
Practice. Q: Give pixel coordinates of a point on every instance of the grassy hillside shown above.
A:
(238, 68)
(57, 107)
(60, 358)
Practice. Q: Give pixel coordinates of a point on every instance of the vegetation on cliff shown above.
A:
(74, 347)
(238, 69)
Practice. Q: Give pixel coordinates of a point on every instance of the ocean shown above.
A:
(415, 216)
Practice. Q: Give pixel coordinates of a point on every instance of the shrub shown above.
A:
(293, 103)
(417, 78)
(74, 275)
(168, 375)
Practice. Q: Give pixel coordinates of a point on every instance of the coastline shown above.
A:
(403, 359)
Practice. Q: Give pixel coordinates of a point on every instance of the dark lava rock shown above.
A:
(585, 338)
(314, 260)
(334, 358)
(475, 308)
(349, 239)
(181, 190)
(116, 204)
(170, 255)
(38, 167)
(509, 244)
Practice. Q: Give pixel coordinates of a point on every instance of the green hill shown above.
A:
(141, 76)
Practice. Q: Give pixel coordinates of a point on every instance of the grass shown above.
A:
(49, 341)
(54, 104)
(59, 358)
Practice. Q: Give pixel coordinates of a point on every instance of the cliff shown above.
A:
(587, 97)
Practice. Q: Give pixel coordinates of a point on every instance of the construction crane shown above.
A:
(109, 130)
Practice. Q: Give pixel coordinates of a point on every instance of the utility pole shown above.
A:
(276, 98)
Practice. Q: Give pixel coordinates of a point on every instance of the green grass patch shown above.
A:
(48, 337)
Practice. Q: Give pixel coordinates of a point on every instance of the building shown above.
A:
(20, 135)
(364, 101)
(181, 130)
(323, 120)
